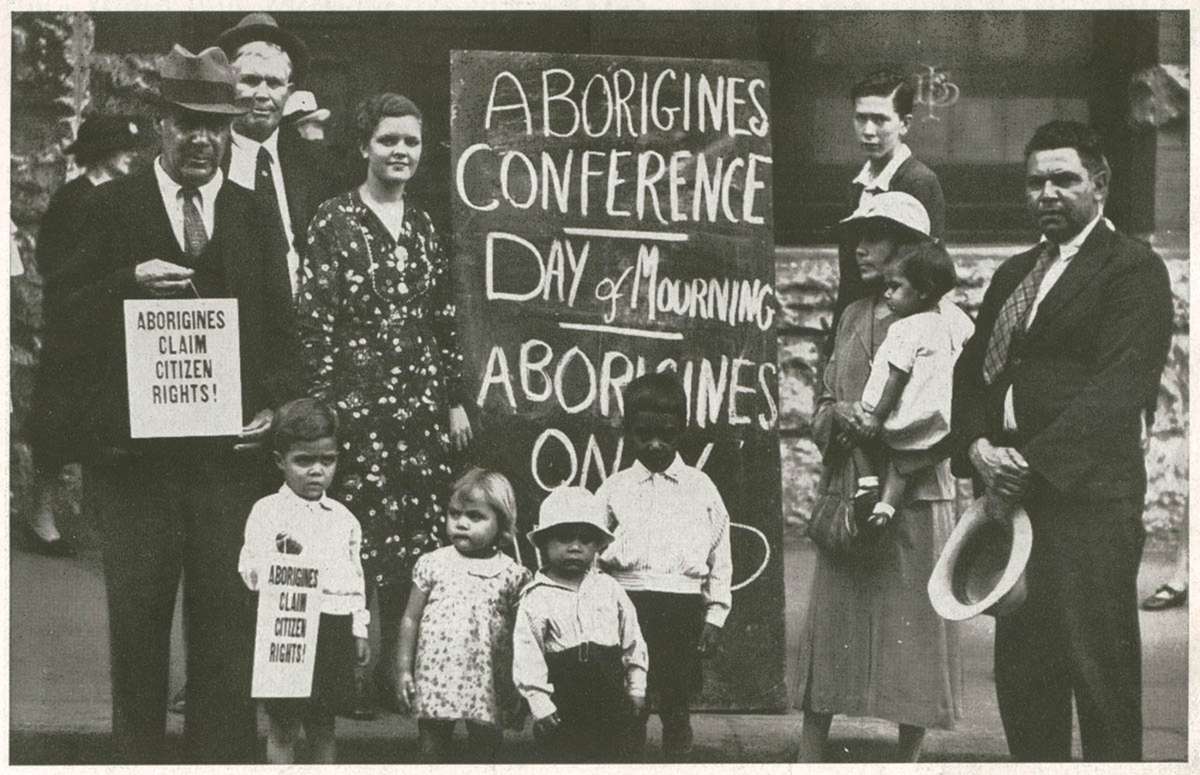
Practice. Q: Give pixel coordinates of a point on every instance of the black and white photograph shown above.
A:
(638, 383)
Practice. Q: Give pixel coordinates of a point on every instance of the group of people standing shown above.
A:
(352, 391)
(1044, 402)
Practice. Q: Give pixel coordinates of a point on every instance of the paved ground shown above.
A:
(60, 703)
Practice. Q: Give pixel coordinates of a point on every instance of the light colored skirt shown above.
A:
(872, 644)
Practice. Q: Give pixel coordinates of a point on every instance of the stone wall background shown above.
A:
(806, 281)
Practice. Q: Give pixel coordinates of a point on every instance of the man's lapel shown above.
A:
(1080, 272)
(232, 258)
(150, 214)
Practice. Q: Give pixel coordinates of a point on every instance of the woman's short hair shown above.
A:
(494, 488)
(887, 83)
(656, 392)
(374, 109)
(927, 267)
(304, 419)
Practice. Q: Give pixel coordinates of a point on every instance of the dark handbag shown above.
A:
(834, 527)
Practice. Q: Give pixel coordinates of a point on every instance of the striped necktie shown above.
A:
(1014, 314)
(195, 238)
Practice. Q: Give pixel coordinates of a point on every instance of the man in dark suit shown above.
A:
(1049, 396)
(287, 174)
(883, 105)
(171, 506)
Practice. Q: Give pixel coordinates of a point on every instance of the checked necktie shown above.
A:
(195, 238)
(1014, 314)
(264, 191)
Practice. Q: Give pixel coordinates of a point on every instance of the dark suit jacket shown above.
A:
(1081, 375)
(308, 180)
(125, 224)
(912, 177)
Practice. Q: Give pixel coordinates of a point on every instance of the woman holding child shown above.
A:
(873, 645)
(376, 311)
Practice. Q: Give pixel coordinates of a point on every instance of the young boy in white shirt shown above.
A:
(670, 551)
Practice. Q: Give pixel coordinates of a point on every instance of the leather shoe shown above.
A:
(1166, 596)
(59, 547)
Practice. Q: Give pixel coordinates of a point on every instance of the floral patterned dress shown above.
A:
(376, 316)
(463, 667)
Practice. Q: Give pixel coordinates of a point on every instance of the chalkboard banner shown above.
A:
(612, 216)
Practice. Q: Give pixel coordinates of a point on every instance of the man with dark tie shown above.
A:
(166, 507)
(287, 175)
(1049, 399)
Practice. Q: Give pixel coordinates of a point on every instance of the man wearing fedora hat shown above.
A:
(169, 506)
(1049, 397)
(287, 175)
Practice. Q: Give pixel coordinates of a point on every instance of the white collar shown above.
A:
(325, 503)
(249, 146)
(1068, 249)
(883, 181)
(168, 185)
(540, 579)
(671, 472)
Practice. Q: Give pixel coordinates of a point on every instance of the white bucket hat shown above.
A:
(571, 506)
(982, 566)
(893, 208)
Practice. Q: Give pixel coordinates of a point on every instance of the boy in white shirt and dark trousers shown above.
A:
(301, 519)
(578, 655)
(670, 552)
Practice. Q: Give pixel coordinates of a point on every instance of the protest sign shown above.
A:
(184, 367)
(613, 217)
(289, 614)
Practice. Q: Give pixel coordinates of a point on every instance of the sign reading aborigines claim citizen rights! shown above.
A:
(289, 615)
(612, 217)
(184, 367)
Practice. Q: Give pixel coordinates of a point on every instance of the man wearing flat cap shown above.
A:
(287, 175)
(167, 507)
(1049, 403)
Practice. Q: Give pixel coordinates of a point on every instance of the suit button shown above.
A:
(1015, 362)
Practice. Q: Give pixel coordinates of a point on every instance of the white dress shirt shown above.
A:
(243, 164)
(874, 185)
(1066, 252)
(671, 534)
(553, 617)
(327, 534)
(172, 197)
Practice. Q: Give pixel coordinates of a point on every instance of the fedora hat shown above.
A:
(101, 135)
(571, 506)
(201, 82)
(302, 106)
(262, 26)
(982, 566)
(894, 210)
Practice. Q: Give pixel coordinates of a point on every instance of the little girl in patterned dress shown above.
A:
(454, 659)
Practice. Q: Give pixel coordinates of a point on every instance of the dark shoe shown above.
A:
(363, 710)
(179, 702)
(677, 741)
(59, 547)
(1166, 596)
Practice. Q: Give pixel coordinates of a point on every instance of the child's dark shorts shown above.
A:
(672, 625)
(597, 716)
(333, 674)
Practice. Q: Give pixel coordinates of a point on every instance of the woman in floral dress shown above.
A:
(376, 312)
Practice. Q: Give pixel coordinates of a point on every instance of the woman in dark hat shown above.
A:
(104, 149)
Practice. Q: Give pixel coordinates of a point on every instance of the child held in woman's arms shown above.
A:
(300, 519)
(578, 654)
(454, 659)
(670, 551)
(906, 401)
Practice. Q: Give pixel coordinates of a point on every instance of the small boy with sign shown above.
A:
(301, 522)
(670, 551)
(578, 654)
